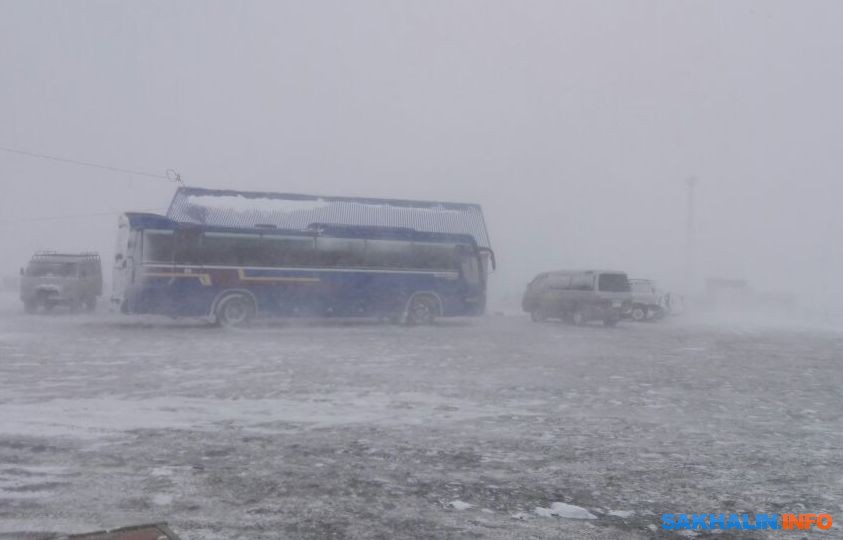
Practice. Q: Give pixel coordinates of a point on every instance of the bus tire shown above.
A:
(537, 315)
(422, 310)
(235, 309)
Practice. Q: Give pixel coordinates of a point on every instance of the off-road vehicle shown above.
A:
(52, 279)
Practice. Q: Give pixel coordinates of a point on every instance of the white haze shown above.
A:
(574, 124)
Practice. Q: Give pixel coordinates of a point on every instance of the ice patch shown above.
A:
(30, 482)
(621, 513)
(161, 471)
(460, 505)
(96, 418)
(162, 499)
(563, 510)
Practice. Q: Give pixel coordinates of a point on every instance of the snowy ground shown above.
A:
(487, 428)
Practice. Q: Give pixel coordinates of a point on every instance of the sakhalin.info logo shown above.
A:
(745, 522)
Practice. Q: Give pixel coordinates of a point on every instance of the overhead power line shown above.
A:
(71, 216)
(170, 175)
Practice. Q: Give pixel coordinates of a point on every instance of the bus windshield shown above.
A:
(470, 266)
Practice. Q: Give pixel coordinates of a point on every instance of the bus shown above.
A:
(232, 274)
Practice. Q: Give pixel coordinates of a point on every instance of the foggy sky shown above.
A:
(574, 124)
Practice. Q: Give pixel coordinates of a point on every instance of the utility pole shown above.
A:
(690, 237)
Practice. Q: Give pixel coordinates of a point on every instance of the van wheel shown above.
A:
(578, 317)
(610, 321)
(639, 313)
(235, 309)
(30, 306)
(90, 304)
(538, 316)
(422, 310)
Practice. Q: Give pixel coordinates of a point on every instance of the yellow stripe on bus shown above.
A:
(242, 275)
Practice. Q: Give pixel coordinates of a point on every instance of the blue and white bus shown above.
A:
(230, 274)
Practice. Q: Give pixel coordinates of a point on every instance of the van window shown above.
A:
(560, 282)
(642, 287)
(538, 281)
(613, 283)
(582, 282)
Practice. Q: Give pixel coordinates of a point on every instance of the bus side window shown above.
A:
(187, 249)
(341, 252)
(292, 251)
(157, 246)
(219, 250)
(433, 256)
(386, 254)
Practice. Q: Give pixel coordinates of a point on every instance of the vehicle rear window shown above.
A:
(58, 269)
(613, 283)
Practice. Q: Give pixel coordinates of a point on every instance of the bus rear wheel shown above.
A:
(235, 309)
(422, 310)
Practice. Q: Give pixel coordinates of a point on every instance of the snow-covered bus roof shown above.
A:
(248, 209)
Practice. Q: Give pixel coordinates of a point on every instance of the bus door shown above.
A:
(123, 263)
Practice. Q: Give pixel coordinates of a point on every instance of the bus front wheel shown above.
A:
(422, 310)
(235, 309)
